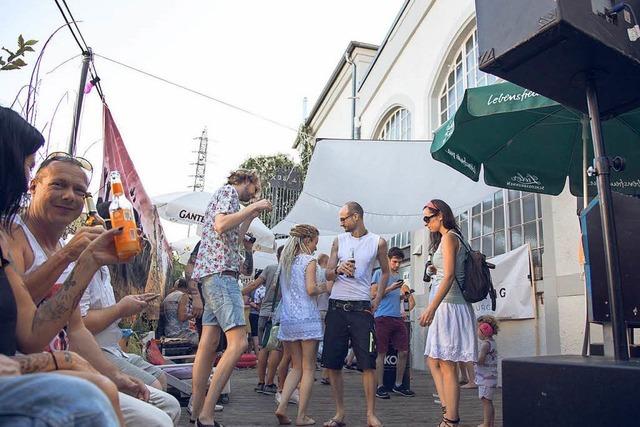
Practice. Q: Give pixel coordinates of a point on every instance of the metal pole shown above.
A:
(609, 238)
(86, 58)
(354, 78)
(585, 202)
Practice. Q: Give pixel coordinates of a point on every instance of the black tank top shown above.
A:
(8, 313)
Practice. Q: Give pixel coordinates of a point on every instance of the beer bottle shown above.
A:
(92, 213)
(352, 260)
(121, 214)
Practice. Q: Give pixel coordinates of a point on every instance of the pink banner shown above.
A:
(155, 260)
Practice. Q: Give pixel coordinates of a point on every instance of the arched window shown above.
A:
(397, 126)
(462, 75)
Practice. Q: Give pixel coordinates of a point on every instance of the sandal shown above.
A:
(333, 422)
(215, 424)
(308, 421)
(448, 423)
(283, 420)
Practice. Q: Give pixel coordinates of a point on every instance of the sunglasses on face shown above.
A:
(427, 218)
(346, 218)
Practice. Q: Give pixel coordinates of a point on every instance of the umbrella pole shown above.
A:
(609, 238)
(585, 202)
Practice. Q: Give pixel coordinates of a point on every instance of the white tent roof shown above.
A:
(392, 180)
(189, 207)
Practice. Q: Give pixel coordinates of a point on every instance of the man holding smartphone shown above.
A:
(101, 315)
(390, 327)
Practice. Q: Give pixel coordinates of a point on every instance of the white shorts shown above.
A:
(486, 392)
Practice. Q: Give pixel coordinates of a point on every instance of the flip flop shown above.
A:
(334, 423)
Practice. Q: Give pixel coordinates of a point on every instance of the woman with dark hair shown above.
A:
(29, 329)
(451, 337)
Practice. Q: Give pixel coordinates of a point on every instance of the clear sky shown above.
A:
(264, 56)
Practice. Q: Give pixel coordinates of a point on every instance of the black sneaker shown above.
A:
(223, 399)
(401, 389)
(259, 388)
(270, 389)
(381, 393)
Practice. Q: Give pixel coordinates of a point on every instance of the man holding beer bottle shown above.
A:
(44, 261)
(218, 266)
(350, 318)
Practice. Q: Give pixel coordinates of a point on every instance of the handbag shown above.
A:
(269, 339)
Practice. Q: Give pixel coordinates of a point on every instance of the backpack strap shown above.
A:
(464, 243)
(275, 279)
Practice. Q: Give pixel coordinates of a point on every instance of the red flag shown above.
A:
(156, 256)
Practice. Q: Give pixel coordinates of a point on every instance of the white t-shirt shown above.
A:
(99, 295)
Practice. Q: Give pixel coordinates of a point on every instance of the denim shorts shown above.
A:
(223, 304)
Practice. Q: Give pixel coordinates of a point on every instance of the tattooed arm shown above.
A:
(36, 326)
(46, 362)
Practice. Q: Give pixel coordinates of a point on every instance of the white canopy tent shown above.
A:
(188, 207)
(392, 180)
(183, 248)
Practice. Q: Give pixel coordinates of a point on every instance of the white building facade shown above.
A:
(406, 88)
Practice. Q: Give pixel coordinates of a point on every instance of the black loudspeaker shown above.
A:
(627, 216)
(548, 45)
(570, 391)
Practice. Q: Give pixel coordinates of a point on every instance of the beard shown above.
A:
(244, 196)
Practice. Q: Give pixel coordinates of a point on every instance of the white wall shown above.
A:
(408, 72)
(333, 119)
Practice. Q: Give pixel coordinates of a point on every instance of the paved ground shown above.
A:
(247, 408)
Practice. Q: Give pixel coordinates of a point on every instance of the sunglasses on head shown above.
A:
(63, 156)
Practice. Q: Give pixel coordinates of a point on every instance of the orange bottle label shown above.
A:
(127, 243)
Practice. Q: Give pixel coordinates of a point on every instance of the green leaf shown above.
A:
(7, 50)
(20, 40)
(19, 62)
(28, 49)
(1, 61)
(10, 67)
(30, 42)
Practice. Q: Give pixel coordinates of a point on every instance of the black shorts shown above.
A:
(253, 320)
(344, 327)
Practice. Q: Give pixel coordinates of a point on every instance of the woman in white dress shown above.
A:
(451, 337)
(300, 322)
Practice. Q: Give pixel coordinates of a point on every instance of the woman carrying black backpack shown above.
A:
(451, 320)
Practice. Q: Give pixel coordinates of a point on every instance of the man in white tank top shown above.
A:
(350, 316)
(57, 198)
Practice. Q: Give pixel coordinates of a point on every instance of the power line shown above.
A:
(85, 49)
(64, 16)
(197, 92)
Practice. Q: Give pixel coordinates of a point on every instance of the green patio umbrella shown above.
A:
(524, 141)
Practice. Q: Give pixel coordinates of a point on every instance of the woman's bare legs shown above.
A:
(309, 351)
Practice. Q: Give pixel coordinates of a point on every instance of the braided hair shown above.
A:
(295, 246)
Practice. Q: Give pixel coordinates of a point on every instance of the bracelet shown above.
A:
(55, 362)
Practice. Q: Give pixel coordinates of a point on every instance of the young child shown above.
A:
(487, 367)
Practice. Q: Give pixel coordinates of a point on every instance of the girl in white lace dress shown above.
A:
(300, 323)
(451, 337)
